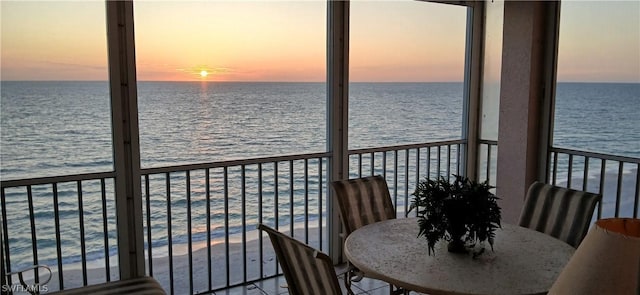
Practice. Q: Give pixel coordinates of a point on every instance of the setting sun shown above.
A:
(203, 73)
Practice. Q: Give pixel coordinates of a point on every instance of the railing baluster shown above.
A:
(105, 229)
(34, 241)
(226, 224)
(320, 208)
(636, 203)
(82, 239)
(555, 168)
(291, 213)
(207, 189)
(147, 191)
(276, 195)
(429, 162)
(372, 159)
(601, 188)
(243, 198)
(189, 231)
(585, 174)
(406, 182)
(359, 165)
(306, 201)
(395, 178)
(5, 235)
(260, 240)
(439, 161)
(448, 162)
(384, 165)
(458, 158)
(169, 234)
(417, 165)
(56, 215)
(488, 163)
(619, 188)
(569, 171)
(276, 203)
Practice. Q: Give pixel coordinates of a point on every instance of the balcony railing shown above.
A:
(199, 220)
(616, 178)
(405, 165)
(66, 223)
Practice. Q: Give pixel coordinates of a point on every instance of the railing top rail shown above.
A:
(56, 179)
(229, 163)
(220, 164)
(488, 141)
(406, 146)
(596, 155)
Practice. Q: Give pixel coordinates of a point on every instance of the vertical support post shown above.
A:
(126, 146)
(549, 74)
(528, 76)
(337, 112)
(472, 82)
(3, 273)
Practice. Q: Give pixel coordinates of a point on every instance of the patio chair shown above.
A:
(362, 201)
(307, 270)
(560, 212)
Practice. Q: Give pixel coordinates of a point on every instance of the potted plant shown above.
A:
(462, 212)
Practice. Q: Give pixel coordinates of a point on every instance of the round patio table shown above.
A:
(524, 261)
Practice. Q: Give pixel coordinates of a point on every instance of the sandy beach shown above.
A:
(193, 277)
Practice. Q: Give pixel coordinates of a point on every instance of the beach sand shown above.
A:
(193, 277)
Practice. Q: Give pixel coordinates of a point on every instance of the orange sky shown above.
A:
(286, 41)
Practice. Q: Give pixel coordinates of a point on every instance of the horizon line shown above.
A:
(240, 81)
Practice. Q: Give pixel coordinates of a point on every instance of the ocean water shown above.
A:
(598, 117)
(59, 128)
(53, 128)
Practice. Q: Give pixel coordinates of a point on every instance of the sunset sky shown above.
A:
(286, 41)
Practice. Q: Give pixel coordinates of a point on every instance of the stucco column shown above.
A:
(528, 74)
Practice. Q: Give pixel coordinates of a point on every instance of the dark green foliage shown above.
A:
(463, 209)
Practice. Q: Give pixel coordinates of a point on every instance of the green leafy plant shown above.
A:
(462, 212)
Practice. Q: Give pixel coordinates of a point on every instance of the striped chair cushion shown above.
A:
(363, 201)
(138, 286)
(307, 271)
(559, 212)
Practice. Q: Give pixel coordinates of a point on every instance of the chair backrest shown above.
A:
(307, 270)
(363, 201)
(559, 212)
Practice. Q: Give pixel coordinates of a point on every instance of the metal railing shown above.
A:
(404, 166)
(616, 178)
(229, 198)
(66, 223)
(199, 220)
(488, 161)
